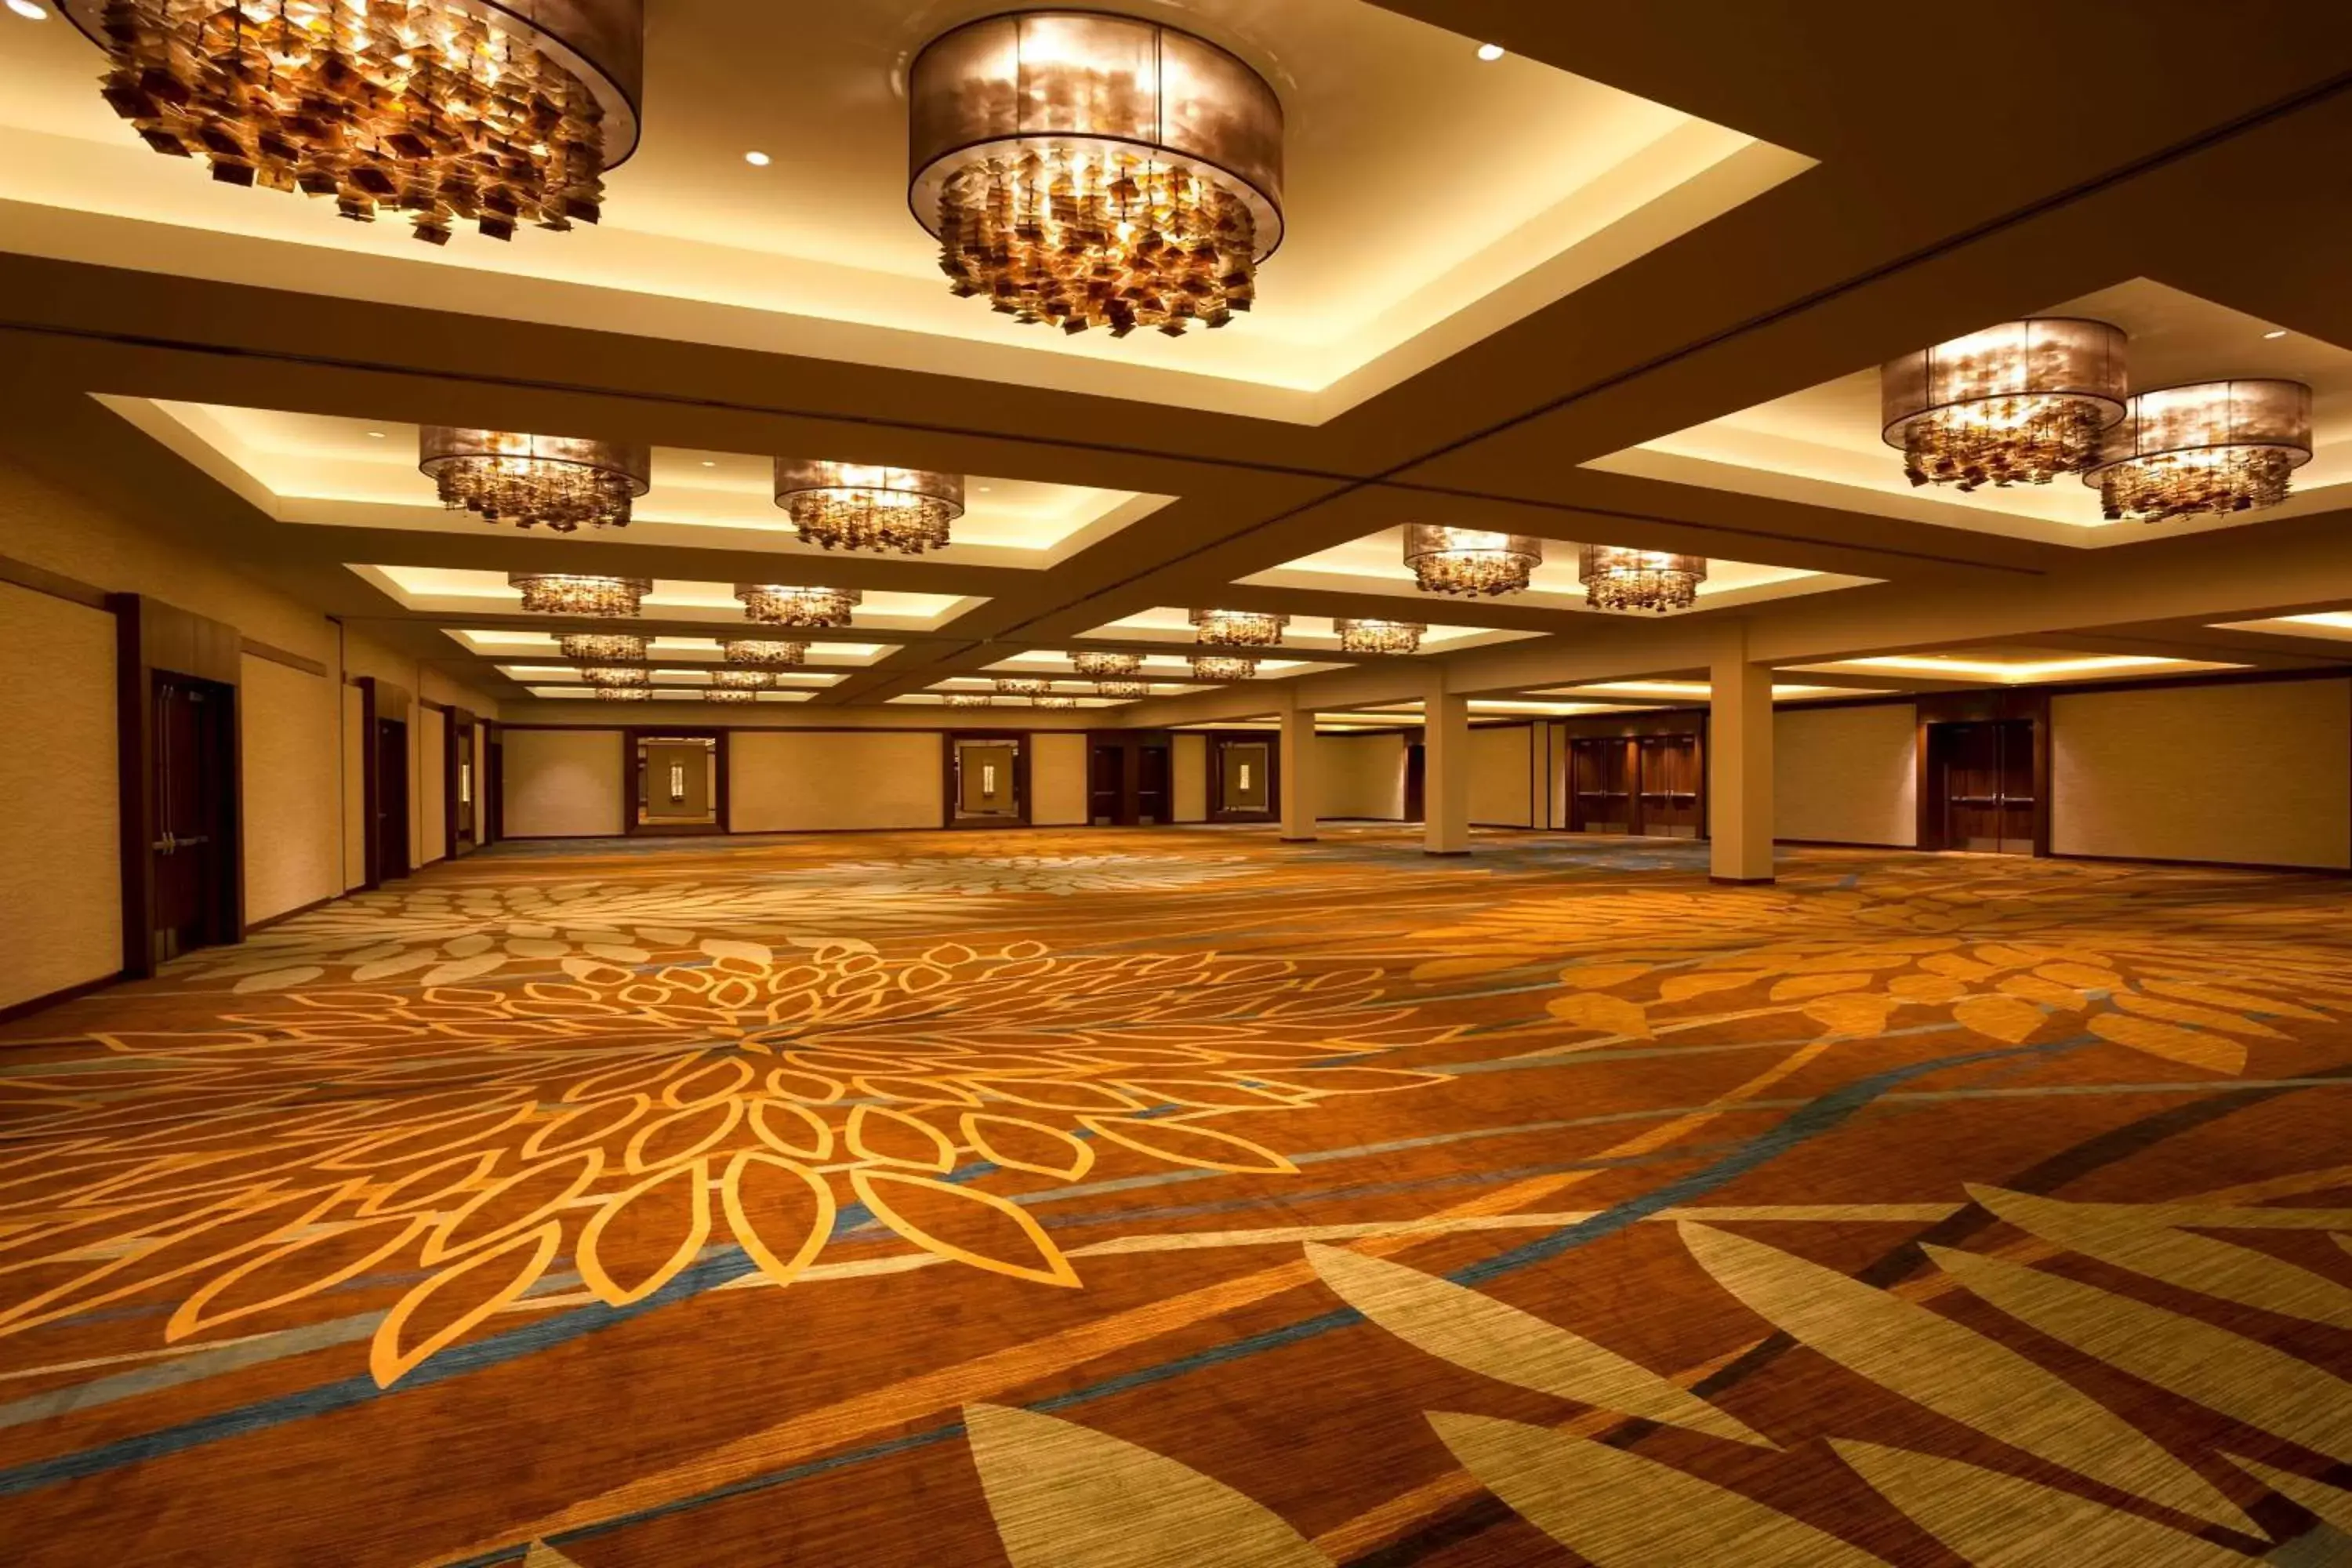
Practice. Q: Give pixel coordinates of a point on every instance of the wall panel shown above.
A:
(1188, 768)
(431, 726)
(1360, 776)
(1502, 766)
(288, 727)
(2257, 774)
(354, 787)
(786, 780)
(60, 855)
(1846, 775)
(1058, 780)
(563, 784)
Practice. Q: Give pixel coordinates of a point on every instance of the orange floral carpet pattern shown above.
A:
(1116, 1198)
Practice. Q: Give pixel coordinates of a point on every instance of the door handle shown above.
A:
(164, 846)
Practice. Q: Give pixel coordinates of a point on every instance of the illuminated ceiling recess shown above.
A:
(2021, 403)
(1223, 667)
(1112, 664)
(1358, 636)
(1468, 560)
(602, 648)
(2217, 446)
(775, 605)
(1094, 170)
(529, 480)
(1236, 628)
(855, 506)
(569, 594)
(1616, 578)
(761, 654)
(494, 112)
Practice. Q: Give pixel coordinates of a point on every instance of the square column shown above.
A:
(1445, 779)
(1739, 764)
(1299, 780)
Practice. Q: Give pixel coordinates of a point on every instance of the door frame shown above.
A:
(1218, 741)
(1976, 707)
(721, 805)
(458, 724)
(150, 638)
(381, 699)
(950, 810)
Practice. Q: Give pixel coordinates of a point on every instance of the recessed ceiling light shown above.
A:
(708, 463)
(757, 160)
(26, 9)
(373, 434)
(988, 490)
(1490, 51)
(2278, 334)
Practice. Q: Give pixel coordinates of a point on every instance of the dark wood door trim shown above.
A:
(722, 806)
(952, 806)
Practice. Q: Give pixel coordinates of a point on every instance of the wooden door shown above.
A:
(1982, 772)
(1416, 782)
(391, 799)
(1667, 797)
(1106, 784)
(466, 803)
(1152, 785)
(1600, 785)
(194, 779)
(494, 789)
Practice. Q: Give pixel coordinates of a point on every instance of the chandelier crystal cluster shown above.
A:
(1123, 690)
(774, 603)
(572, 594)
(558, 480)
(1469, 560)
(616, 675)
(444, 111)
(1094, 170)
(1053, 701)
(2020, 403)
(1022, 686)
(1360, 636)
(1616, 578)
(728, 694)
(602, 647)
(624, 694)
(966, 698)
(2219, 446)
(854, 506)
(758, 653)
(739, 678)
(1113, 666)
(1236, 628)
(1223, 667)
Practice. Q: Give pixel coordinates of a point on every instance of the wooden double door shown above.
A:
(1651, 786)
(192, 754)
(1128, 783)
(1982, 786)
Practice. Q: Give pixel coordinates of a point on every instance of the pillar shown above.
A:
(1445, 777)
(1739, 763)
(1297, 779)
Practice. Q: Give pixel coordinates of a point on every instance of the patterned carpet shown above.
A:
(1109, 1199)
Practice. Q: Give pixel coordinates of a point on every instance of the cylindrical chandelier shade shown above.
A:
(571, 594)
(1358, 636)
(1094, 170)
(728, 694)
(2021, 403)
(2218, 447)
(494, 112)
(1223, 667)
(1022, 686)
(624, 694)
(558, 480)
(1236, 628)
(602, 647)
(616, 675)
(854, 506)
(1123, 690)
(1470, 561)
(1113, 665)
(1056, 703)
(775, 605)
(967, 698)
(758, 653)
(1616, 578)
(735, 678)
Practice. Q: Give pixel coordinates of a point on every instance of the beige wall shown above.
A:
(1846, 775)
(1187, 778)
(355, 754)
(1058, 780)
(60, 867)
(432, 727)
(1502, 764)
(563, 784)
(1361, 775)
(2259, 773)
(784, 781)
(289, 724)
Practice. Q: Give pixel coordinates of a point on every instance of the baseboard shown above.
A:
(2272, 868)
(1446, 854)
(1847, 843)
(16, 1010)
(1285, 838)
(1742, 881)
(285, 915)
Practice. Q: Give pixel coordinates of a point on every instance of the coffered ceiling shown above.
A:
(1626, 285)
